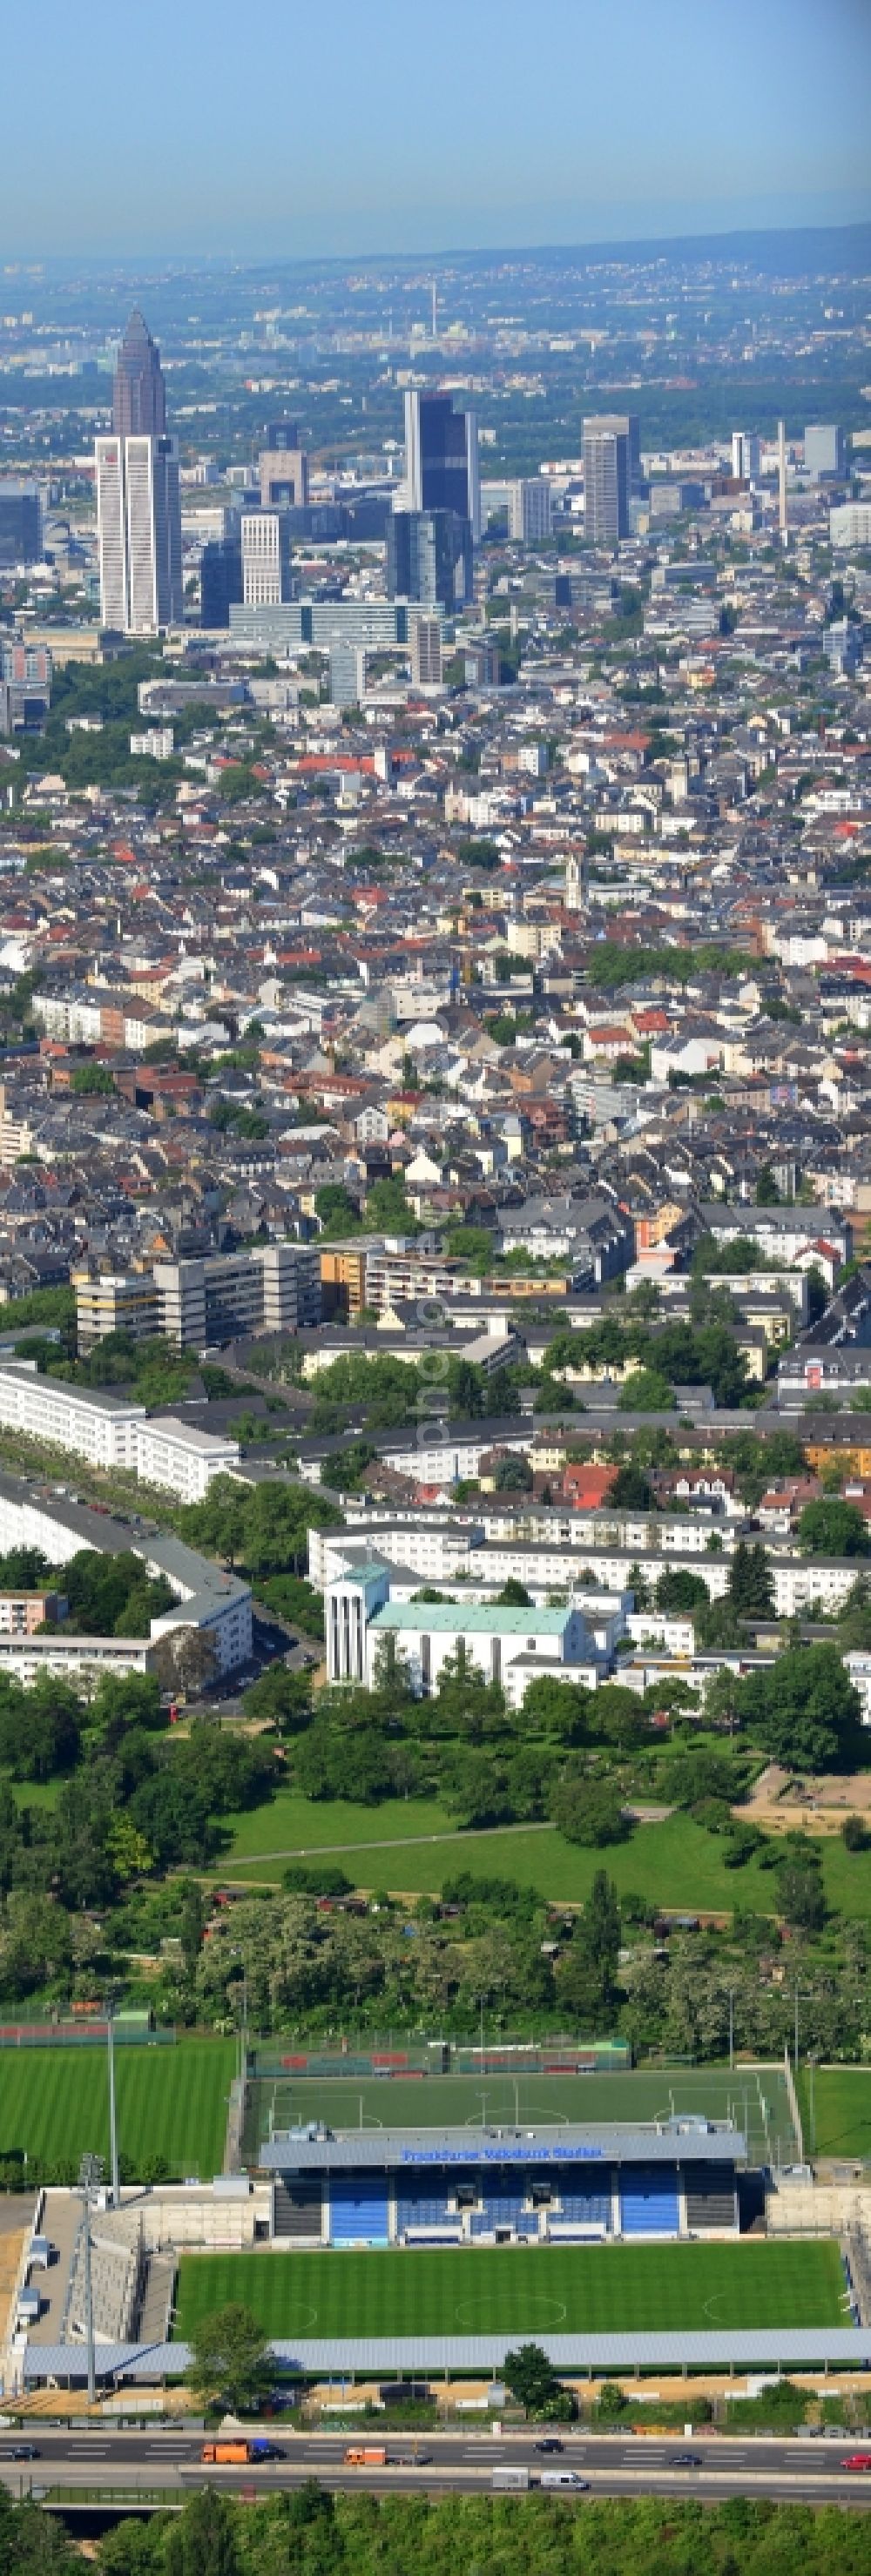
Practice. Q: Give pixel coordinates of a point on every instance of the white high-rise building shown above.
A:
(139, 533)
(266, 558)
(153, 534)
(529, 510)
(112, 533)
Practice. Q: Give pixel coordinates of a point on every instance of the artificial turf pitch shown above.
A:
(553, 2289)
(172, 2102)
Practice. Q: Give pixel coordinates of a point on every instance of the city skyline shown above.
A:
(696, 135)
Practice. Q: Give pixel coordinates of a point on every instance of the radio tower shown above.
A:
(435, 307)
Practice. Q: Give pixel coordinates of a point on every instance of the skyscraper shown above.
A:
(429, 557)
(266, 572)
(138, 505)
(283, 468)
(20, 525)
(612, 473)
(139, 398)
(441, 458)
(745, 456)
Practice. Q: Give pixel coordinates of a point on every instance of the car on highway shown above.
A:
(687, 2460)
(551, 2442)
(25, 2451)
(858, 2460)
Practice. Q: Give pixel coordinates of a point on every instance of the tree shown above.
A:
(94, 1079)
(646, 1391)
(230, 2360)
(805, 1710)
(751, 1590)
(832, 1528)
(588, 1811)
(680, 1591)
(186, 1659)
(800, 1892)
(512, 1475)
(532, 2380)
(513, 1596)
(203, 2540)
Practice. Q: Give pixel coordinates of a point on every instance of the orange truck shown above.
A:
(366, 2455)
(236, 2455)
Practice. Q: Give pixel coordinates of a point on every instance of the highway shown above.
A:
(798, 2470)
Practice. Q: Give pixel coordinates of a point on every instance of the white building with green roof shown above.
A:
(506, 1644)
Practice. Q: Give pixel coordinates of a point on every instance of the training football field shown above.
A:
(171, 2104)
(754, 2097)
(550, 2289)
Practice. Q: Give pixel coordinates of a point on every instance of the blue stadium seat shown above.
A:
(358, 2209)
(649, 2200)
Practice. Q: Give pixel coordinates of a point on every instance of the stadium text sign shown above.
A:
(506, 2152)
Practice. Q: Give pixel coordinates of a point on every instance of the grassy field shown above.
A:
(409, 1846)
(454, 2101)
(574, 2290)
(837, 2120)
(172, 2102)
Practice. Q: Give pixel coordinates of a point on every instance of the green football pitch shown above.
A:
(171, 2102)
(553, 2289)
(754, 2097)
(836, 2111)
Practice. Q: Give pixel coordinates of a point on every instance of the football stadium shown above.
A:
(422, 2218)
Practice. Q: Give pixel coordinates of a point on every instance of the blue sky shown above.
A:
(173, 125)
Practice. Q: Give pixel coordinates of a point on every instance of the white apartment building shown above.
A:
(177, 1454)
(851, 524)
(109, 1431)
(207, 1597)
(100, 1428)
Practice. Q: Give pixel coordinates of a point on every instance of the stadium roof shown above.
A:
(362, 2150)
(751, 2348)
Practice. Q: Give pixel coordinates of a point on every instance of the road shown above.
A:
(797, 2470)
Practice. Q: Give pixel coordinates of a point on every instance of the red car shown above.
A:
(858, 2460)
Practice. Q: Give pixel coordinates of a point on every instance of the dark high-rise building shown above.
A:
(429, 558)
(139, 398)
(441, 458)
(220, 580)
(20, 525)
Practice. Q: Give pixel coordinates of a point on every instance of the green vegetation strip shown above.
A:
(564, 2290)
(172, 2104)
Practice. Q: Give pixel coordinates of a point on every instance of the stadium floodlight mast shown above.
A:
(90, 2178)
(113, 2125)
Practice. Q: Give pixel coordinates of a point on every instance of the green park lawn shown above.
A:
(568, 2290)
(410, 1845)
(172, 2102)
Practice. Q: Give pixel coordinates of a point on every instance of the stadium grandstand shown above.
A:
(505, 2186)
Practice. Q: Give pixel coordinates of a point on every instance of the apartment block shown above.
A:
(275, 1289)
(117, 1302)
